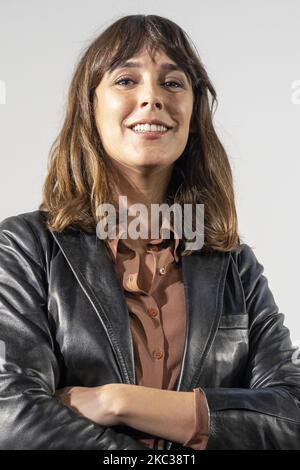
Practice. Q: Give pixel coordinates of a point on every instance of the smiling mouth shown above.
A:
(150, 134)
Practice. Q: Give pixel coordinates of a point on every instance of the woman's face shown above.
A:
(150, 91)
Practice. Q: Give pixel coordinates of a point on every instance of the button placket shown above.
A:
(158, 354)
(156, 344)
(153, 312)
(151, 307)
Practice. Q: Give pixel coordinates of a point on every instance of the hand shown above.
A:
(99, 404)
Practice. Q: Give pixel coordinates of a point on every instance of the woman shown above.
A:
(138, 343)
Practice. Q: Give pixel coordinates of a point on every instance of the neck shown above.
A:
(144, 186)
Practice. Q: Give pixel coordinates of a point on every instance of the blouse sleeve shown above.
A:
(199, 436)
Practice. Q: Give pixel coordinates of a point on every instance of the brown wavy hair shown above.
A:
(79, 177)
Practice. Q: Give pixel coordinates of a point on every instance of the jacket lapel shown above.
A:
(204, 277)
(88, 258)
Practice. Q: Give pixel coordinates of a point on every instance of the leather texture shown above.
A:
(64, 321)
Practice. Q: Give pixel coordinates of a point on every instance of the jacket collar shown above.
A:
(204, 277)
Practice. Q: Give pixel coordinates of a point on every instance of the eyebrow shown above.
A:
(128, 64)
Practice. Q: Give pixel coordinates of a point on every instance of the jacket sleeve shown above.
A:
(265, 413)
(31, 417)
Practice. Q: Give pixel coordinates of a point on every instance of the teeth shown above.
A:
(149, 128)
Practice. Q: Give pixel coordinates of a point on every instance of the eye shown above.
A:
(176, 83)
(126, 79)
(118, 82)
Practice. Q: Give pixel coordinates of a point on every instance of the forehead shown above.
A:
(143, 59)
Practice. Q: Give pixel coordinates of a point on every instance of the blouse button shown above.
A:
(157, 354)
(152, 312)
(153, 248)
(162, 270)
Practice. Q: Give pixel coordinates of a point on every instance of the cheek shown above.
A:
(116, 106)
(182, 110)
(110, 108)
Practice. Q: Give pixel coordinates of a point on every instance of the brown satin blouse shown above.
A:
(150, 275)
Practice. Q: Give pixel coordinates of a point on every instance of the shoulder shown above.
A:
(251, 273)
(32, 220)
(245, 259)
(26, 232)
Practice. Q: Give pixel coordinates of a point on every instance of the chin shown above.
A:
(149, 165)
(147, 160)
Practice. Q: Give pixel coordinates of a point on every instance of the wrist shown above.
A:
(117, 401)
(123, 401)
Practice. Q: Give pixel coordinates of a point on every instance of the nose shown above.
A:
(152, 104)
(151, 98)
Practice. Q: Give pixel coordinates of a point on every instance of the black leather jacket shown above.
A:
(64, 321)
